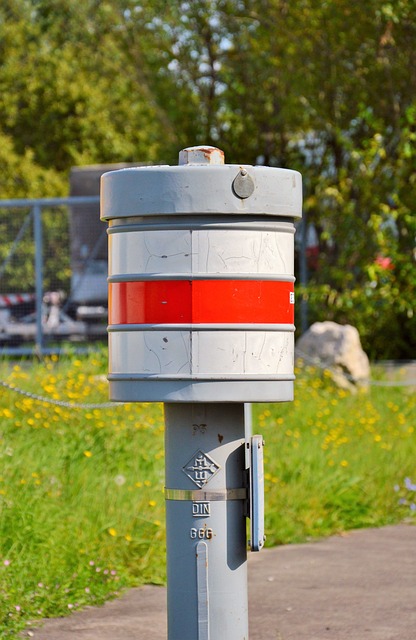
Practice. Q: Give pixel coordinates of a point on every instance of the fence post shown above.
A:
(303, 275)
(38, 238)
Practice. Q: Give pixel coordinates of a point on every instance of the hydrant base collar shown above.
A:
(157, 390)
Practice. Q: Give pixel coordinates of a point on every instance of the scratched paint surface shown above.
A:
(232, 352)
(194, 253)
(210, 251)
(167, 251)
(251, 252)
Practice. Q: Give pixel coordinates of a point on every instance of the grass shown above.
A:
(81, 501)
(336, 461)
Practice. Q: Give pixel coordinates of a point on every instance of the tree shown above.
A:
(67, 92)
(325, 87)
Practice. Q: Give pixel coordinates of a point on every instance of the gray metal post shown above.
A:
(205, 521)
(38, 236)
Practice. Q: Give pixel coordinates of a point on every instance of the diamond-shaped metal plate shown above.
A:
(201, 468)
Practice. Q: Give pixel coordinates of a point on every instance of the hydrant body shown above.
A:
(201, 284)
(201, 317)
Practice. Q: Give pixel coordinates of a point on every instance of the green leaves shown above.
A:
(322, 87)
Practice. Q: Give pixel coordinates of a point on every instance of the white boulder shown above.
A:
(337, 348)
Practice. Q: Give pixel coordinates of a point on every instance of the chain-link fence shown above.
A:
(53, 270)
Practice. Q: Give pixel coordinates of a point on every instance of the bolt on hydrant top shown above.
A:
(201, 155)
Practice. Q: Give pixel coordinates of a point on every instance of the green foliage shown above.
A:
(322, 87)
(84, 103)
(22, 177)
(367, 270)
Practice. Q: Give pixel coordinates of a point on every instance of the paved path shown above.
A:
(358, 586)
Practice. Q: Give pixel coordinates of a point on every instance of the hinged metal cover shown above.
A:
(257, 537)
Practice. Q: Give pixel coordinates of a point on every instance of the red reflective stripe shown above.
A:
(242, 301)
(144, 302)
(201, 301)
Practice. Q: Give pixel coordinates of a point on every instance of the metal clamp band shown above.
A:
(211, 496)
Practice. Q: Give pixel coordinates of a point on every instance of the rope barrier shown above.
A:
(60, 403)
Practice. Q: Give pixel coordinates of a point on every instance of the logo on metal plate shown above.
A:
(201, 468)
